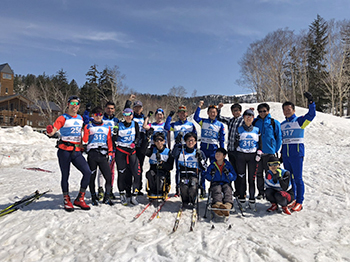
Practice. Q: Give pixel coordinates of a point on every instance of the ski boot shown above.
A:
(94, 200)
(80, 202)
(252, 205)
(133, 199)
(112, 196)
(100, 193)
(217, 212)
(107, 200)
(286, 211)
(68, 206)
(123, 199)
(272, 208)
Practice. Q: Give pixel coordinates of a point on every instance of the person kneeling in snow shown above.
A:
(161, 163)
(278, 186)
(221, 173)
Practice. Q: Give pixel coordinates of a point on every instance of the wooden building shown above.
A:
(16, 109)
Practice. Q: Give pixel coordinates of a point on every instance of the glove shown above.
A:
(309, 97)
(110, 159)
(212, 172)
(49, 129)
(198, 155)
(132, 145)
(85, 148)
(150, 113)
(237, 137)
(158, 156)
(149, 132)
(179, 138)
(171, 113)
(88, 107)
(281, 159)
(276, 177)
(258, 155)
(115, 129)
(225, 171)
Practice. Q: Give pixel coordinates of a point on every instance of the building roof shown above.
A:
(10, 97)
(5, 68)
(44, 106)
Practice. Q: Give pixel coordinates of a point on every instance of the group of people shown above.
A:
(253, 145)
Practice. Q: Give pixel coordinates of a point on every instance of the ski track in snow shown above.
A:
(43, 231)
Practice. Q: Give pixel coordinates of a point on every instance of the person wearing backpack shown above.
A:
(271, 137)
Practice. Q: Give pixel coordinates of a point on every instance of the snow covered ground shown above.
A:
(43, 231)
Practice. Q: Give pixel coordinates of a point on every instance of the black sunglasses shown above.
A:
(262, 111)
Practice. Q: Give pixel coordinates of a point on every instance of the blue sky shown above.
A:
(157, 44)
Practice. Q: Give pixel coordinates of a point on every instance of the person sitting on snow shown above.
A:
(221, 173)
(161, 163)
(191, 164)
(278, 186)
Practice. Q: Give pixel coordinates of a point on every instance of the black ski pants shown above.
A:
(281, 198)
(232, 156)
(95, 159)
(128, 175)
(245, 160)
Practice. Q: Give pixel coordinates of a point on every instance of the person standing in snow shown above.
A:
(110, 120)
(293, 145)
(69, 151)
(248, 145)
(278, 184)
(271, 138)
(212, 134)
(141, 146)
(99, 148)
(232, 123)
(180, 128)
(126, 136)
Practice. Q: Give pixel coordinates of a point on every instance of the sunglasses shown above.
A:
(191, 140)
(98, 114)
(262, 111)
(273, 164)
(73, 103)
(127, 114)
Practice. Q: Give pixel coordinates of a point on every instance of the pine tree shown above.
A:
(317, 42)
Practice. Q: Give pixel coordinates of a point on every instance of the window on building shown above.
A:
(7, 76)
(7, 90)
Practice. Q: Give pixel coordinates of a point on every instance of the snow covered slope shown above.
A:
(43, 231)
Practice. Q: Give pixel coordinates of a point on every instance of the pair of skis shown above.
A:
(22, 203)
(155, 213)
(178, 218)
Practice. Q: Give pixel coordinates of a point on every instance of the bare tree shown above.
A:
(176, 96)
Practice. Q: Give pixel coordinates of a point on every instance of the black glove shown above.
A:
(281, 159)
(115, 129)
(88, 107)
(150, 113)
(309, 97)
(225, 171)
(212, 172)
(276, 177)
(178, 138)
(158, 156)
(171, 113)
(149, 132)
(198, 155)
